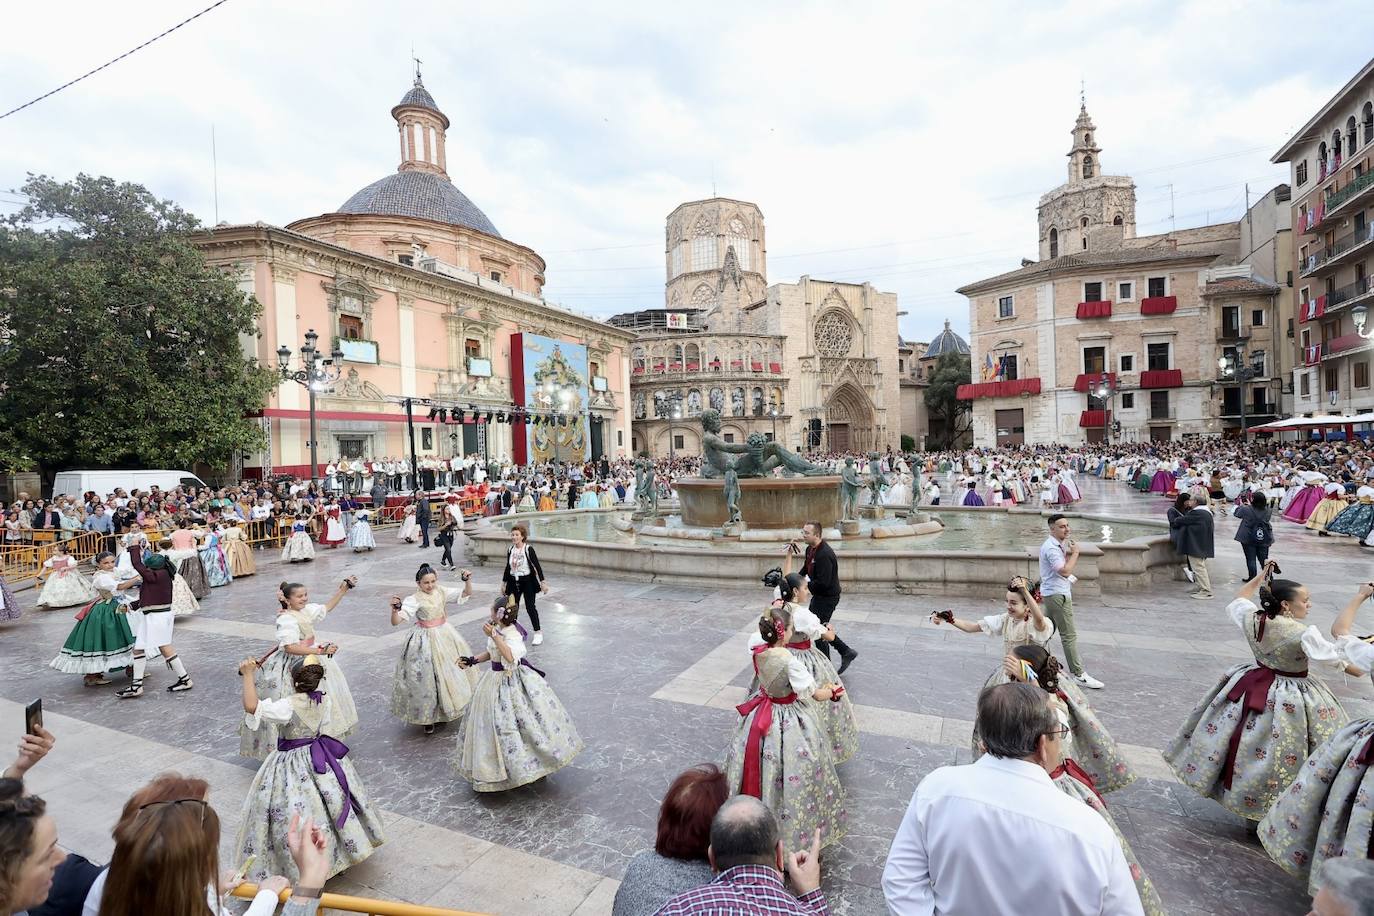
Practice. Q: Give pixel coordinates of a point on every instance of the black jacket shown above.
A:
(1195, 533)
(822, 571)
(1251, 521)
(534, 565)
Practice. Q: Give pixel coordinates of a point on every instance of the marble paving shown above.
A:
(651, 675)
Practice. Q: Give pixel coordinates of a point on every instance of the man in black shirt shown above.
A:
(822, 571)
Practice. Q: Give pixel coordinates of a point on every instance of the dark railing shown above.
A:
(1339, 247)
(1359, 288)
(1350, 191)
(1229, 331)
(1161, 413)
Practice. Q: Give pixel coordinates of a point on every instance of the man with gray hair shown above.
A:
(1347, 888)
(1068, 861)
(750, 863)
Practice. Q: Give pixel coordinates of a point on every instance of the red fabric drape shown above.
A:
(1158, 305)
(1101, 309)
(1161, 378)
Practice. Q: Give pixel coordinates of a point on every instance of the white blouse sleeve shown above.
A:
(104, 581)
(1238, 610)
(409, 607)
(48, 563)
(288, 630)
(755, 640)
(1357, 651)
(278, 712)
(806, 623)
(316, 612)
(514, 642)
(802, 681)
(994, 624)
(455, 595)
(1320, 649)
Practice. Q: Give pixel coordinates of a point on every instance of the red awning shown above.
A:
(1101, 309)
(1161, 378)
(1158, 305)
(1088, 381)
(1009, 389)
(1092, 419)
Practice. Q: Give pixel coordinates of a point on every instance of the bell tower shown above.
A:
(422, 126)
(1085, 160)
(1091, 211)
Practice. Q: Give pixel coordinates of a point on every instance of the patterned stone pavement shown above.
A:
(650, 674)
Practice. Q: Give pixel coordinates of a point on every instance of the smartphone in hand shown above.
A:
(33, 717)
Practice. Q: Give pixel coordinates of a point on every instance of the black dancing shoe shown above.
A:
(846, 660)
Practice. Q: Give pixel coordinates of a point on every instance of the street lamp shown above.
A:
(1106, 391)
(1242, 368)
(1359, 314)
(316, 374)
(673, 416)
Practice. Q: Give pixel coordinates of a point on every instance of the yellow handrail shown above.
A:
(345, 904)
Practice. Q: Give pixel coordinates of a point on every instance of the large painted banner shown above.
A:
(549, 379)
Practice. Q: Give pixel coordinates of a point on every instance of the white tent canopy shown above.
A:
(1332, 421)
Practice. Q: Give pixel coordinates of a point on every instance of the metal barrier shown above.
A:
(20, 561)
(341, 903)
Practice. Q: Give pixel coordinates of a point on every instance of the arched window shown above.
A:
(1083, 223)
(1367, 117)
(1117, 220)
(1087, 166)
(1321, 158)
(1054, 242)
(1335, 147)
(1350, 136)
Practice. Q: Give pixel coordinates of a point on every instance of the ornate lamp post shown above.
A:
(1359, 314)
(317, 374)
(1242, 368)
(1106, 391)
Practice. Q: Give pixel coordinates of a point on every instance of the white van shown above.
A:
(74, 483)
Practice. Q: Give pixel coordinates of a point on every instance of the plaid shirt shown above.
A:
(745, 890)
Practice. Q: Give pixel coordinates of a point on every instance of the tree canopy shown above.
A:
(942, 400)
(118, 343)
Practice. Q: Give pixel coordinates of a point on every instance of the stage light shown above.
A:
(500, 416)
(459, 416)
(433, 412)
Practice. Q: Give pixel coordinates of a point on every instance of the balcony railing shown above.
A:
(1230, 331)
(1355, 189)
(1343, 344)
(1163, 414)
(1347, 294)
(1338, 249)
(1257, 409)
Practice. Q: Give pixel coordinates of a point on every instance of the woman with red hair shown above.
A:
(677, 862)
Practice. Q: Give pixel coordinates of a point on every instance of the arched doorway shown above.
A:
(848, 420)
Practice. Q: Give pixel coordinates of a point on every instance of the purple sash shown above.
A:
(497, 666)
(325, 753)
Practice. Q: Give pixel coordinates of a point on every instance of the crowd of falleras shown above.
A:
(1269, 742)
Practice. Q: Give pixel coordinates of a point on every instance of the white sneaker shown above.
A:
(1189, 573)
(539, 640)
(1087, 680)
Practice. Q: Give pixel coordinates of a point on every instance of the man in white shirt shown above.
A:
(1058, 557)
(997, 836)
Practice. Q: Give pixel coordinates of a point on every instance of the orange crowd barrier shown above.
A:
(342, 903)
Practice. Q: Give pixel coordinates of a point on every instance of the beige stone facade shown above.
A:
(809, 363)
(1331, 161)
(1153, 314)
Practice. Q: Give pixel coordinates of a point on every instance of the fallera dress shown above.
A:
(1246, 741)
(102, 640)
(65, 586)
(1013, 633)
(428, 686)
(212, 557)
(1332, 505)
(1358, 519)
(308, 772)
(360, 535)
(1328, 810)
(515, 731)
(298, 546)
(274, 682)
(780, 754)
(837, 717)
(1071, 779)
(333, 534)
(9, 607)
(237, 552)
(190, 568)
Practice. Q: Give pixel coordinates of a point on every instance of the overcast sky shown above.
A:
(903, 143)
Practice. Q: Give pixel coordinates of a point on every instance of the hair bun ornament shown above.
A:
(311, 660)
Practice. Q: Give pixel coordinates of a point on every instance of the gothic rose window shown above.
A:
(834, 335)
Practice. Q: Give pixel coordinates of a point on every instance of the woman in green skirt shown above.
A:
(101, 640)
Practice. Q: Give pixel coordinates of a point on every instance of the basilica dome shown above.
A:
(423, 195)
(947, 341)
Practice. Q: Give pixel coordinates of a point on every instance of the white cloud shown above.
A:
(904, 143)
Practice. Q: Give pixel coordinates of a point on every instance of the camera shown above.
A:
(773, 578)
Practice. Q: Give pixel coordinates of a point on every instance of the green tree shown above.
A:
(942, 399)
(118, 344)
(908, 443)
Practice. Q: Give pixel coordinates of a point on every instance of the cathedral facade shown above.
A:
(811, 364)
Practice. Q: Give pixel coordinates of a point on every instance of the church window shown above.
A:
(350, 327)
(1367, 116)
(406, 259)
(1004, 307)
(1117, 220)
(1087, 166)
(1054, 242)
(677, 257)
(496, 276)
(472, 348)
(1083, 222)
(741, 246)
(1085, 243)
(703, 297)
(1125, 291)
(834, 335)
(1156, 287)
(1092, 291)
(703, 252)
(1350, 136)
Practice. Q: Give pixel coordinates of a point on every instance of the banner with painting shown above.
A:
(550, 381)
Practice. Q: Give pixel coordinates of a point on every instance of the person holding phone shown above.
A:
(296, 620)
(1022, 623)
(428, 686)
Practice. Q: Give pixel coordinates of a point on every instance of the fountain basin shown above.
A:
(764, 502)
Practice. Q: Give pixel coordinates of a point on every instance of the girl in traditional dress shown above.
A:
(296, 638)
(606, 496)
(1328, 810)
(515, 731)
(185, 555)
(183, 598)
(212, 557)
(1245, 742)
(428, 686)
(236, 550)
(333, 533)
(360, 535)
(1358, 519)
(780, 753)
(307, 773)
(1022, 623)
(1305, 501)
(836, 718)
(1032, 664)
(546, 503)
(1333, 504)
(101, 640)
(971, 497)
(409, 528)
(588, 499)
(298, 547)
(65, 585)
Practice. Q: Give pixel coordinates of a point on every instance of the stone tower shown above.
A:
(422, 127)
(1091, 211)
(716, 260)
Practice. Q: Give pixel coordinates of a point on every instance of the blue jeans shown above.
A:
(1255, 556)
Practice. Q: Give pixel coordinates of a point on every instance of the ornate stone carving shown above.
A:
(729, 271)
(703, 226)
(353, 386)
(349, 296)
(281, 273)
(703, 296)
(834, 334)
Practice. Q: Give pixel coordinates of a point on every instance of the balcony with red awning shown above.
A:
(1161, 378)
(1092, 419)
(1101, 309)
(1087, 381)
(1011, 389)
(1158, 305)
